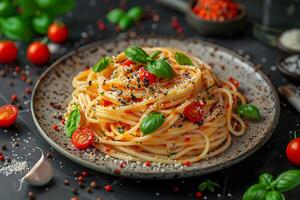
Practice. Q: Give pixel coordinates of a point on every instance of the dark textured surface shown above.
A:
(233, 180)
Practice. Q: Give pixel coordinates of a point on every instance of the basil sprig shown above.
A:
(72, 122)
(270, 189)
(101, 64)
(160, 68)
(136, 54)
(182, 59)
(152, 122)
(208, 185)
(249, 111)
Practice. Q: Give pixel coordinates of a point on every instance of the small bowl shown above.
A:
(294, 33)
(289, 74)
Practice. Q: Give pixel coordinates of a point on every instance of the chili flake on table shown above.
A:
(216, 10)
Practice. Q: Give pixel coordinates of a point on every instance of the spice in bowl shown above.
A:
(216, 10)
(292, 64)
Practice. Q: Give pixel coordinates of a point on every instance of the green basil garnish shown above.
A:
(269, 189)
(125, 22)
(265, 179)
(182, 59)
(249, 111)
(101, 64)
(135, 13)
(287, 180)
(115, 15)
(120, 129)
(153, 55)
(72, 122)
(152, 122)
(274, 195)
(208, 185)
(136, 54)
(160, 68)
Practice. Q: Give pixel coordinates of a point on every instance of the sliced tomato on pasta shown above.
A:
(83, 137)
(194, 111)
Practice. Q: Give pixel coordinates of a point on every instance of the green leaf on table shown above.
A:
(16, 28)
(274, 195)
(208, 185)
(287, 180)
(255, 192)
(115, 15)
(265, 179)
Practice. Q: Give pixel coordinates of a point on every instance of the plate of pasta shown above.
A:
(155, 107)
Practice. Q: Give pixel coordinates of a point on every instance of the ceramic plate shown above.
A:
(53, 92)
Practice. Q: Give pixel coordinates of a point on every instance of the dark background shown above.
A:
(83, 29)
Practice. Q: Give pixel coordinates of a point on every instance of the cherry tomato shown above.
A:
(82, 137)
(293, 151)
(234, 82)
(146, 76)
(38, 53)
(8, 115)
(8, 52)
(106, 103)
(194, 111)
(128, 62)
(58, 32)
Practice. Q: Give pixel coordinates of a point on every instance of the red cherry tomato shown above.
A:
(128, 63)
(8, 115)
(234, 82)
(293, 151)
(147, 76)
(58, 32)
(194, 111)
(38, 53)
(82, 137)
(8, 52)
(106, 103)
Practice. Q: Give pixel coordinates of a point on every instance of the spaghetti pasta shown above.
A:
(115, 101)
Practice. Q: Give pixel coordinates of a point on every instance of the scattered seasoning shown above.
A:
(93, 184)
(14, 167)
(80, 178)
(212, 10)
(117, 171)
(4, 147)
(147, 163)
(89, 189)
(66, 182)
(198, 194)
(108, 188)
(49, 155)
(123, 164)
(84, 173)
(75, 191)
(175, 24)
(14, 97)
(2, 158)
(55, 127)
(292, 64)
(31, 195)
(187, 163)
(101, 25)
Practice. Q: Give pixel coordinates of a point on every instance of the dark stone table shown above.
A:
(83, 27)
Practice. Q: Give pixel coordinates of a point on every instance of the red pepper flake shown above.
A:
(55, 127)
(84, 173)
(175, 24)
(187, 163)
(1, 158)
(234, 82)
(117, 171)
(23, 77)
(198, 194)
(14, 97)
(17, 69)
(108, 188)
(80, 179)
(123, 164)
(101, 25)
(148, 163)
(176, 189)
(28, 90)
(62, 122)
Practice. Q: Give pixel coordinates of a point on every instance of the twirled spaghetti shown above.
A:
(114, 101)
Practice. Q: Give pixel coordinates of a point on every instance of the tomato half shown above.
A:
(146, 76)
(293, 151)
(194, 111)
(128, 63)
(82, 137)
(8, 115)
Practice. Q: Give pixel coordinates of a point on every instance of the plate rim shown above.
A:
(171, 175)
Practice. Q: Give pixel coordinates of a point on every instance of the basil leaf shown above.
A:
(72, 122)
(152, 122)
(55, 7)
(202, 186)
(160, 68)
(287, 180)
(182, 59)
(136, 54)
(153, 55)
(7, 8)
(29, 7)
(274, 195)
(41, 23)
(255, 192)
(208, 185)
(16, 28)
(135, 13)
(115, 15)
(265, 179)
(101, 64)
(125, 23)
(249, 111)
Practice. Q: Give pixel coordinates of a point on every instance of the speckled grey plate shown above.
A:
(55, 86)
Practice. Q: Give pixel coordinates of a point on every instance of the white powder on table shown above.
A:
(14, 167)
